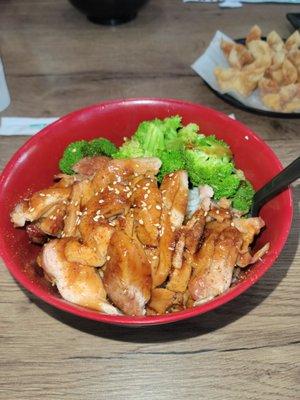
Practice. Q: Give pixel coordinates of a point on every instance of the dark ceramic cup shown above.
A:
(109, 12)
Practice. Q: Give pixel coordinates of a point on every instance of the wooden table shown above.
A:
(57, 61)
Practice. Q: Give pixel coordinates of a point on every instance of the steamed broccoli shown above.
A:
(243, 197)
(129, 149)
(150, 138)
(213, 146)
(186, 137)
(172, 160)
(101, 146)
(80, 149)
(152, 135)
(211, 170)
(73, 153)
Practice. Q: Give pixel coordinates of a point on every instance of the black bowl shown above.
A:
(109, 12)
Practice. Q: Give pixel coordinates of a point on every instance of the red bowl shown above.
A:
(34, 164)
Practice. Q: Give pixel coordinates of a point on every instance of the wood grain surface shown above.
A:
(57, 61)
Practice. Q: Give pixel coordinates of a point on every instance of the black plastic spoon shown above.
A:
(275, 186)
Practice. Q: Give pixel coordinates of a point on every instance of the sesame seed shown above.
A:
(217, 212)
(107, 258)
(62, 234)
(158, 207)
(76, 203)
(31, 209)
(51, 217)
(117, 191)
(101, 201)
(170, 175)
(170, 248)
(64, 217)
(42, 194)
(101, 273)
(65, 202)
(54, 217)
(232, 224)
(48, 195)
(78, 213)
(147, 184)
(98, 212)
(128, 195)
(141, 222)
(149, 208)
(154, 258)
(135, 174)
(114, 182)
(146, 196)
(96, 194)
(205, 214)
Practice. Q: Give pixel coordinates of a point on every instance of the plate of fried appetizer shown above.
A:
(135, 211)
(258, 74)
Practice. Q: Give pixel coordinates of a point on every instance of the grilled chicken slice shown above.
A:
(136, 166)
(249, 227)
(93, 252)
(73, 211)
(163, 299)
(127, 275)
(38, 205)
(88, 166)
(179, 278)
(246, 259)
(186, 246)
(76, 283)
(174, 189)
(215, 263)
(146, 200)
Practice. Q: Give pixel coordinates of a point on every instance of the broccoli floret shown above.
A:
(152, 135)
(226, 187)
(73, 153)
(101, 146)
(129, 149)
(243, 198)
(185, 138)
(213, 146)
(213, 171)
(172, 160)
(171, 126)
